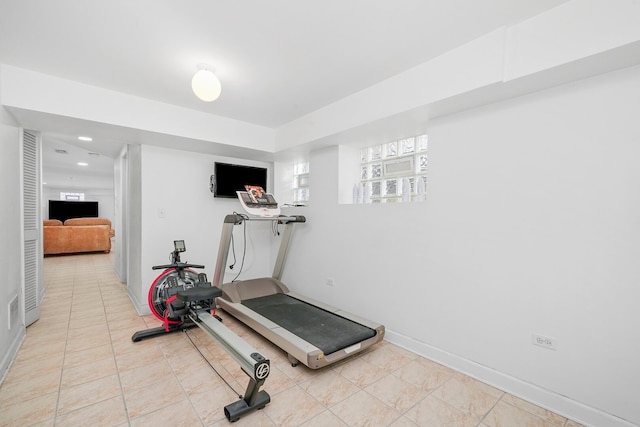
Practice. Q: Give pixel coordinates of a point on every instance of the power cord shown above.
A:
(209, 363)
(233, 246)
(233, 252)
(245, 218)
(244, 249)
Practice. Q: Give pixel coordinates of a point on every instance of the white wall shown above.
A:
(134, 219)
(10, 235)
(177, 204)
(11, 282)
(530, 226)
(120, 172)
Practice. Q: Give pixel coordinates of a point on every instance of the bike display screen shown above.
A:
(179, 245)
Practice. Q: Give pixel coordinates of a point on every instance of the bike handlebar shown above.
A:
(177, 266)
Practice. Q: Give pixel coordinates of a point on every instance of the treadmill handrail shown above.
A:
(237, 219)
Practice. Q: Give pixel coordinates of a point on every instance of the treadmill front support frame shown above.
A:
(278, 268)
(232, 220)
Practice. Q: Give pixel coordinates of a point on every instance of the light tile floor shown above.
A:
(79, 367)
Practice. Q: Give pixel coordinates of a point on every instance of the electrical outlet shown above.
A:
(330, 282)
(545, 342)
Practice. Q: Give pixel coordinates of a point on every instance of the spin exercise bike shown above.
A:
(182, 298)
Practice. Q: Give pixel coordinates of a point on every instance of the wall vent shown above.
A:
(13, 312)
(399, 166)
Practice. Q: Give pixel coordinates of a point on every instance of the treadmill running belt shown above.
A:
(327, 331)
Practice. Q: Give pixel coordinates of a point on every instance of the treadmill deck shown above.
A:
(327, 331)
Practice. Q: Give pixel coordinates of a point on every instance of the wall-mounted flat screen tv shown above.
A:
(64, 209)
(229, 178)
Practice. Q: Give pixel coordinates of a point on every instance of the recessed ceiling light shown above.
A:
(85, 138)
(83, 164)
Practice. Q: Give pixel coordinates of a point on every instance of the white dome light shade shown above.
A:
(206, 85)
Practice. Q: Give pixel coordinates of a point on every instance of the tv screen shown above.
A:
(64, 209)
(228, 178)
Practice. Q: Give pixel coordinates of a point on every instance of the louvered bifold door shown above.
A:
(32, 259)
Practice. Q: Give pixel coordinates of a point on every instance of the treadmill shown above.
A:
(310, 331)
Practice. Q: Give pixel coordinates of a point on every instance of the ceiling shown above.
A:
(276, 60)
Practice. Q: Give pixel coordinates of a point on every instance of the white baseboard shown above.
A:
(142, 307)
(11, 353)
(544, 398)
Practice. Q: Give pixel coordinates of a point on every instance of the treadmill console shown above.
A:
(258, 203)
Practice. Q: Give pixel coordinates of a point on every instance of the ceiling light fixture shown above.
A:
(85, 138)
(83, 164)
(205, 84)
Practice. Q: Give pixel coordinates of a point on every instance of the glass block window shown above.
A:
(395, 171)
(391, 149)
(375, 152)
(422, 162)
(407, 146)
(391, 188)
(301, 183)
(376, 187)
(376, 170)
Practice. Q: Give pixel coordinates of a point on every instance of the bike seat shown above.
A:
(199, 293)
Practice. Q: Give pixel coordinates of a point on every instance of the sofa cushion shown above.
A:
(75, 239)
(77, 235)
(88, 221)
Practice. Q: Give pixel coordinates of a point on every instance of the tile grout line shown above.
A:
(491, 409)
(113, 353)
(188, 398)
(66, 343)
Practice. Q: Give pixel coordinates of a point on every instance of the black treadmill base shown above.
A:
(325, 330)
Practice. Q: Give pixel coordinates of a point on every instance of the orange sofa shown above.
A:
(77, 235)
